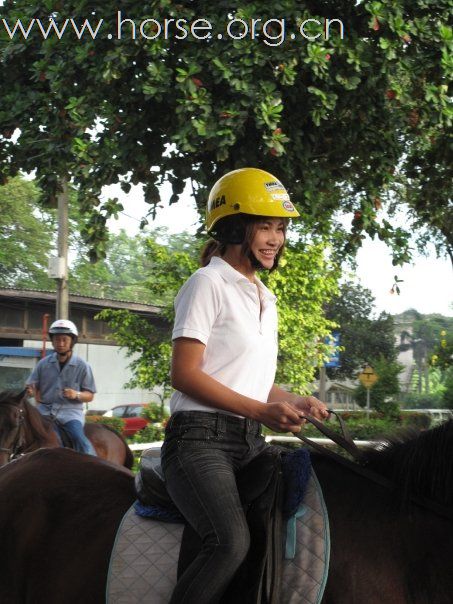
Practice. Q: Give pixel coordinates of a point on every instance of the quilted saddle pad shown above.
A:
(145, 555)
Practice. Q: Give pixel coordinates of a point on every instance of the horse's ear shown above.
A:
(21, 395)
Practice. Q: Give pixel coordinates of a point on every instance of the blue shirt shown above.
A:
(50, 381)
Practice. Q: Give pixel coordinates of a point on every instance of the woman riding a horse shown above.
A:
(223, 368)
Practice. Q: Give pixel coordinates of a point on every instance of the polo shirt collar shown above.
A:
(53, 358)
(231, 275)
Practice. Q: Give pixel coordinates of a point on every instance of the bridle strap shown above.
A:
(19, 438)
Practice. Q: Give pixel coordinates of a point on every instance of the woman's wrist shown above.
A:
(256, 410)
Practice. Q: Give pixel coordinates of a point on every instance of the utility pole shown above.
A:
(62, 247)
(58, 266)
(322, 383)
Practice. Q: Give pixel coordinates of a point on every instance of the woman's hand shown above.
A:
(281, 416)
(310, 405)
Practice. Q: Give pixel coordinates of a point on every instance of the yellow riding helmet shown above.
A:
(248, 191)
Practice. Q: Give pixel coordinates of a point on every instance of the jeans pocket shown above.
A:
(199, 436)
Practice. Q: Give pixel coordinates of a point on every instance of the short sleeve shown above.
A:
(88, 380)
(33, 378)
(197, 306)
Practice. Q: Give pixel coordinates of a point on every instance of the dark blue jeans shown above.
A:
(81, 442)
(200, 456)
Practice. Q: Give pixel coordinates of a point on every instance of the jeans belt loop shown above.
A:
(170, 422)
(220, 424)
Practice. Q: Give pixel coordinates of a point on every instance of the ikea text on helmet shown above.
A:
(218, 201)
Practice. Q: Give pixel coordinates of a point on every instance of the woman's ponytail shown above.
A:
(211, 248)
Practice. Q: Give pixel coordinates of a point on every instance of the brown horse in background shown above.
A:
(59, 512)
(23, 429)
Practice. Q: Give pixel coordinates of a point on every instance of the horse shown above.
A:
(23, 429)
(391, 540)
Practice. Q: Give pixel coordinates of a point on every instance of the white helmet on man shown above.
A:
(65, 327)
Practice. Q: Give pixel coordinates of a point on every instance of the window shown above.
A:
(119, 411)
(93, 328)
(134, 411)
(36, 318)
(12, 318)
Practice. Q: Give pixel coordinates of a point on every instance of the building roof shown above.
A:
(78, 300)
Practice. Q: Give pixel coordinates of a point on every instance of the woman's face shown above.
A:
(268, 239)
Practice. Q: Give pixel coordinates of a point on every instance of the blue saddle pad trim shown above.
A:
(296, 470)
(158, 513)
(290, 542)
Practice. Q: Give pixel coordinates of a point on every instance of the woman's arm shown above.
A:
(188, 377)
(308, 404)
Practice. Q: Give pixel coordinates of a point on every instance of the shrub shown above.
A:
(362, 428)
(154, 412)
(150, 433)
(113, 422)
(413, 419)
(424, 400)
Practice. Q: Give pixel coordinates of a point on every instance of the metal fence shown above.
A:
(282, 439)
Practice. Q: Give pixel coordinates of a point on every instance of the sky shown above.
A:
(427, 283)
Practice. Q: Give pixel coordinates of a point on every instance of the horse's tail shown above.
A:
(129, 461)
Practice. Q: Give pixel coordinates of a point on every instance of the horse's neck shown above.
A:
(38, 431)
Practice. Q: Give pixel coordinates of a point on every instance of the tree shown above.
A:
(149, 347)
(424, 338)
(443, 351)
(122, 274)
(447, 398)
(302, 285)
(362, 338)
(26, 237)
(351, 114)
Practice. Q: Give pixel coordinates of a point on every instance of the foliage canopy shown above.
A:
(351, 121)
(362, 338)
(26, 235)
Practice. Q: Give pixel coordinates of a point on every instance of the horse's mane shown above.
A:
(11, 397)
(34, 420)
(419, 463)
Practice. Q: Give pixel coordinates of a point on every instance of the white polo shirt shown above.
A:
(221, 308)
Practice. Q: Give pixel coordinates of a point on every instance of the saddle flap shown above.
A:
(149, 482)
(254, 479)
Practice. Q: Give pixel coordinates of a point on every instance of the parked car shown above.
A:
(131, 414)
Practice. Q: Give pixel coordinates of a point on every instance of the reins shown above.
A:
(358, 466)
